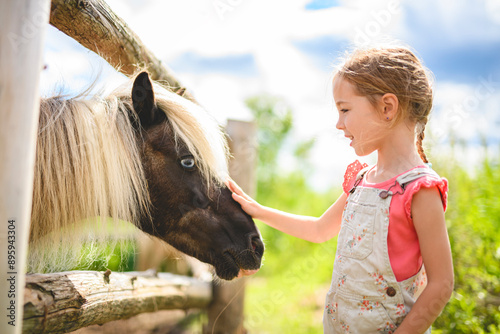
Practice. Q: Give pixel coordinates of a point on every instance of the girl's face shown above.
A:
(358, 118)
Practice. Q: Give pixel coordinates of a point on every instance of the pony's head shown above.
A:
(184, 154)
(143, 155)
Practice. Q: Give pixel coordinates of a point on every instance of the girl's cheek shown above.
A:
(346, 122)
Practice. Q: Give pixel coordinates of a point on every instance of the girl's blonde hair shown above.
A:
(377, 71)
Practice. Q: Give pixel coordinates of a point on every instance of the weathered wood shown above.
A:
(64, 302)
(22, 30)
(226, 312)
(94, 25)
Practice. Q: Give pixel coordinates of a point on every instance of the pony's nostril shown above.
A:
(257, 245)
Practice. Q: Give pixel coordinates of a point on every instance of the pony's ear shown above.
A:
(181, 91)
(143, 101)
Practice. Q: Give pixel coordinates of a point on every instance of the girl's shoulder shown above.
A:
(409, 180)
(428, 181)
(351, 174)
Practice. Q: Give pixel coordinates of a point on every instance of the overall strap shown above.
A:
(359, 177)
(407, 178)
(403, 180)
(415, 174)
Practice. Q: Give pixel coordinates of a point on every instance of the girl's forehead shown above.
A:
(343, 90)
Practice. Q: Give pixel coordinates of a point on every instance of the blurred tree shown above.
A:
(302, 154)
(279, 187)
(274, 121)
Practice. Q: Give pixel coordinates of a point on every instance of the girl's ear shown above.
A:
(390, 104)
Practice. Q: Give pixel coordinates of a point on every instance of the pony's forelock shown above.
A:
(199, 131)
(196, 128)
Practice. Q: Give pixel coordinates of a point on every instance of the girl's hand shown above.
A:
(248, 204)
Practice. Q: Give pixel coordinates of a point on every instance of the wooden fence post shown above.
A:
(225, 314)
(22, 28)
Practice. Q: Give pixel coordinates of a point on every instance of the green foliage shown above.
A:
(288, 294)
(473, 219)
(285, 191)
(290, 192)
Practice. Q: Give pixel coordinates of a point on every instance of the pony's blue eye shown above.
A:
(188, 162)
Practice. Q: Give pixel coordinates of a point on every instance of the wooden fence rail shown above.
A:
(67, 301)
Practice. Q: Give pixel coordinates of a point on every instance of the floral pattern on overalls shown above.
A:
(365, 296)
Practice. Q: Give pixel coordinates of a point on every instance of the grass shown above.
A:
(287, 295)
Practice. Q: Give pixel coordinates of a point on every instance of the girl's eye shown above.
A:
(188, 162)
(344, 110)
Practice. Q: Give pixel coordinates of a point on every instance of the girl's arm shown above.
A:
(429, 222)
(308, 228)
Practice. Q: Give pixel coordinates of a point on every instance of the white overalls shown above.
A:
(365, 296)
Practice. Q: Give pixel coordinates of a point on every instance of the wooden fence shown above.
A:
(63, 302)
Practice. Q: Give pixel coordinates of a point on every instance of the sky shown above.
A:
(226, 51)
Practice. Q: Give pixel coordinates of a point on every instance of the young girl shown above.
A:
(393, 270)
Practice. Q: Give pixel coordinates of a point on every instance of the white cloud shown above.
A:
(461, 22)
(466, 111)
(171, 28)
(222, 95)
(493, 10)
(72, 68)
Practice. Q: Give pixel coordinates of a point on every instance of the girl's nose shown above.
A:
(340, 123)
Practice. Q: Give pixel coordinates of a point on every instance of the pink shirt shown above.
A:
(402, 238)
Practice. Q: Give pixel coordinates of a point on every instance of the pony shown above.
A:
(143, 155)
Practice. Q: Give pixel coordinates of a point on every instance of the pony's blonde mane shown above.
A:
(88, 169)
